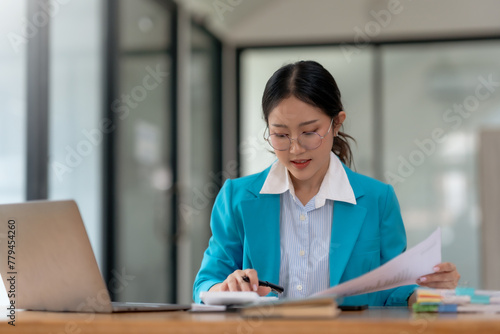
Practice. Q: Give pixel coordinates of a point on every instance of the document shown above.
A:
(402, 270)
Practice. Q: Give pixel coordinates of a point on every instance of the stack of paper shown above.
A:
(457, 300)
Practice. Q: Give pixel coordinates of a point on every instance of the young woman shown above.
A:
(307, 222)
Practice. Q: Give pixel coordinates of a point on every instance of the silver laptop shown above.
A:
(47, 263)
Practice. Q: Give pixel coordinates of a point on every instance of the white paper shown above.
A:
(233, 297)
(402, 270)
(207, 308)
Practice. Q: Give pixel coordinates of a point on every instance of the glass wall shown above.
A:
(144, 152)
(204, 178)
(75, 111)
(162, 224)
(13, 101)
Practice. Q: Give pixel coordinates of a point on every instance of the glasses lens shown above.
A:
(309, 140)
(279, 142)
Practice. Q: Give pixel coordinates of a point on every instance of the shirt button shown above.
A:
(302, 253)
(302, 217)
(299, 287)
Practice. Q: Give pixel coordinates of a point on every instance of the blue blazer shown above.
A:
(246, 234)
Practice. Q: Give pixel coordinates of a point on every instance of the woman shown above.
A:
(307, 222)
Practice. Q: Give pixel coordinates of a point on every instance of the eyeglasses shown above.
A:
(308, 140)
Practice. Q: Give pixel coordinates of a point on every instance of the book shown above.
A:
(324, 307)
(459, 300)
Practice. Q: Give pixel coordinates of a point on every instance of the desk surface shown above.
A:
(378, 320)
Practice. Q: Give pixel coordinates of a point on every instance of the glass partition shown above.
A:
(12, 102)
(75, 112)
(204, 156)
(144, 143)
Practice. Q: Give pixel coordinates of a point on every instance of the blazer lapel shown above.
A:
(347, 222)
(346, 225)
(261, 221)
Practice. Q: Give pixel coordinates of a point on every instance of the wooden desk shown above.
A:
(379, 320)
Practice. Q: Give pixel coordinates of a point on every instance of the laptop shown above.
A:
(47, 263)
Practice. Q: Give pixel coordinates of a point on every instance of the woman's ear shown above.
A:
(339, 119)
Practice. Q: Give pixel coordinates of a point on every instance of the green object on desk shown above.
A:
(417, 307)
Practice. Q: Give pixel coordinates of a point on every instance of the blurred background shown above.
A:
(140, 109)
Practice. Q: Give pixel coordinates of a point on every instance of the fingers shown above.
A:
(221, 287)
(443, 281)
(440, 285)
(254, 279)
(445, 267)
(235, 282)
(263, 290)
(445, 276)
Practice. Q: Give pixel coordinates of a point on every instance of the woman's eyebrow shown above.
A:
(301, 124)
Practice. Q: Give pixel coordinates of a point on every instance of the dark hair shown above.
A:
(313, 84)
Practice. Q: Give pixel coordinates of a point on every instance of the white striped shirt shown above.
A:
(305, 231)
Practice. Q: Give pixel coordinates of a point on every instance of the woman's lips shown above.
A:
(301, 164)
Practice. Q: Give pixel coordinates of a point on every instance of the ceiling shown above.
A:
(268, 22)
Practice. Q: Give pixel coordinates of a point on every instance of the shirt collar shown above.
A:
(335, 185)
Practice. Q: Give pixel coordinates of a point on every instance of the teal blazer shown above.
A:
(246, 234)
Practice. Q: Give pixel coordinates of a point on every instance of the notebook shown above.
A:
(47, 263)
(308, 308)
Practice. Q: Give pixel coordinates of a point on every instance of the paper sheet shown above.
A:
(402, 270)
(207, 308)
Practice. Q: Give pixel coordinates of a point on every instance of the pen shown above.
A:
(274, 287)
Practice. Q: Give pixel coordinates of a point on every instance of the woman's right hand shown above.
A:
(235, 282)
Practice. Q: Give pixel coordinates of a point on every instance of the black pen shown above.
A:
(274, 287)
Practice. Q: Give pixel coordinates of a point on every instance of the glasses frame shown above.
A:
(290, 139)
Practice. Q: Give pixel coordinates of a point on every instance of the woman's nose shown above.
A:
(295, 147)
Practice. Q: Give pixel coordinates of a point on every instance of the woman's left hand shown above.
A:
(445, 276)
